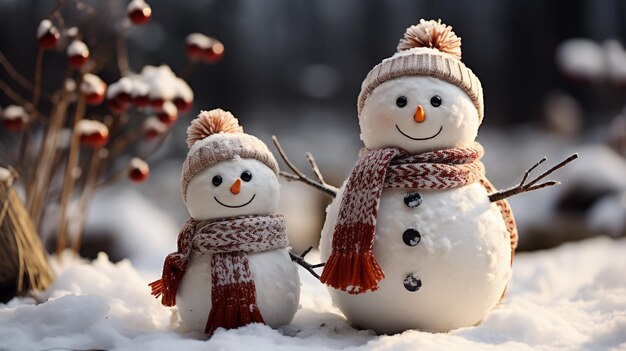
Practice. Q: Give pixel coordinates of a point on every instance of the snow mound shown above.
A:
(572, 297)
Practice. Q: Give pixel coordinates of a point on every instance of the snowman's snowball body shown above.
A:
(446, 261)
(275, 276)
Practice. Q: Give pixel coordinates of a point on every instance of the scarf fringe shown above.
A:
(352, 272)
(167, 286)
(355, 271)
(233, 306)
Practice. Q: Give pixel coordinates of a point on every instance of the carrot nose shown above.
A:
(236, 187)
(419, 115)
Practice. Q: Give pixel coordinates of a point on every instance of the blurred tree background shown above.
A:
(294, 67)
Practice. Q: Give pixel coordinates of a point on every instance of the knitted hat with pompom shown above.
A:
(429, 48)
(216, 136)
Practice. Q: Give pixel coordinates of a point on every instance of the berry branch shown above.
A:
(522, 187)
(143, 107)
(309, 267)
(298, 175)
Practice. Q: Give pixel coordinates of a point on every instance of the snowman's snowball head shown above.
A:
(216, 136)
(235, 187)
(391, 116)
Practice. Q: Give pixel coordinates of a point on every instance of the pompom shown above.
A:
(431, 34)
(212, 122)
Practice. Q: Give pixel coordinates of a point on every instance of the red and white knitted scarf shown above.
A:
(351, 266)
(233, 293)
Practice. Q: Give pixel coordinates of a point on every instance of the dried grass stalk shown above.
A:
(24, 262)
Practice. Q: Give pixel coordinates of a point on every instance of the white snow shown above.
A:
(88, 127)
(587, 59)
(92, 84)
(44, 27)
(198, 39)
(137, 163)
(615, 60)
(5, 174)
(77, 48)
(152, 123)
(124, 85)
(581, 57)
(136, 5)
(169, 109)
(156, 82)
(573, 297)
(13, 112)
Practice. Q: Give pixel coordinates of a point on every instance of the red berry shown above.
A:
(138, 170)
(49, 40)
(47, 34)
(194, 52)
(124, 98)
(182, 105)
(153, 127)
(95, 139)
(78, 60)
(94, 98)
(214, 52)
(117, 106)
(141, 100)
(151, 133)
(137, 175)
(167, 118)
(140, 16)
(13, 124)
(157, 103)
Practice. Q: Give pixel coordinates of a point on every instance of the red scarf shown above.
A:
(233, 293)
(351, 266)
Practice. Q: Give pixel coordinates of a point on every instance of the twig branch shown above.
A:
(309, 267)
(122, 54)
(522, 187)
(37, 84)
(298, 175)
(17, 76)
(13, 95)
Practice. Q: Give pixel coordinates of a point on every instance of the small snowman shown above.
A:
(232, 267)
(416, 238)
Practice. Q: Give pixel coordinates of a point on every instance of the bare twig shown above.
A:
(122, 54)
(298, 175)
(37, 84)
(309, 267)
(85, 197)
(13, 95)
(69, 178)
(522, 187)
(17, 76)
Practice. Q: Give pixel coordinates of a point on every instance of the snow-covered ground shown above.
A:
(572, 297)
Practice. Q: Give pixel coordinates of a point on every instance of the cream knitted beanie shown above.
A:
(429, 48)
(216, 136)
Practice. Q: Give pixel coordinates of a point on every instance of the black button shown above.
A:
(413, 199)
(411, 283)
(411, 237)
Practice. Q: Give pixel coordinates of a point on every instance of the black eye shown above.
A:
(246, 176)
(401, 101)
(435, 101)
(217, 180)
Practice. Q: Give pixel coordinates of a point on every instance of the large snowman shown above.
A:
(232, 252)
(412, 240)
